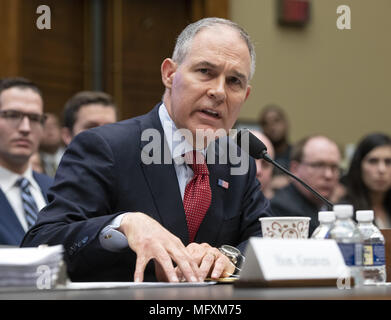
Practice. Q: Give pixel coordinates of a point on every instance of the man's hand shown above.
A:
(211, 261)
(150, 240)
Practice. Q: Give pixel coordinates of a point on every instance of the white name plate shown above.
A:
(283, 259)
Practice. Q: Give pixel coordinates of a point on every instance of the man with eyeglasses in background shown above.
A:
(23, 191)
(316, 160)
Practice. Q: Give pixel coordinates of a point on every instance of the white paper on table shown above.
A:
(29, 256)
(112, 285)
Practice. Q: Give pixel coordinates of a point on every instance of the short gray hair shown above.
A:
(186, 37)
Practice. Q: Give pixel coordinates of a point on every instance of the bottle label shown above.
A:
(352, 253)
(374, 255)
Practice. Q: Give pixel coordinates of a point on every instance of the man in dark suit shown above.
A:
(21, 128)
(316, 160)
(124, 195)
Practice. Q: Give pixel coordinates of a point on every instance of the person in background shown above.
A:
(22, 190)
(275, 126)
(264, 168)
(316, 160)
(122, 217)
(36, 163)
(86, 110)
(51, 147)
(368, 181)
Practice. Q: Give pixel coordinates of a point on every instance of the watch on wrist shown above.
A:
(234, 255)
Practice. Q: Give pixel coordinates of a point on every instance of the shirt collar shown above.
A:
(9, 178)
(176, 141)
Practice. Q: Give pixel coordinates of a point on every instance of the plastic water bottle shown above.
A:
(349, 239)
(326, 219)
(374, 269)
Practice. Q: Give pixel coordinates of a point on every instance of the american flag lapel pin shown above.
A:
(222, 183)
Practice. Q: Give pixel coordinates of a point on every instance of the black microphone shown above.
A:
(257, 150)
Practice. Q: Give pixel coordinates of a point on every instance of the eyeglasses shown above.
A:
(15, 117)
(322, 166)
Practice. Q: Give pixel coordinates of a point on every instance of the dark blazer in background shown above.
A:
(101, 175)
(11, 231)
(289, 201)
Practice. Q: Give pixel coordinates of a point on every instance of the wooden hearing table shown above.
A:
(212, 292)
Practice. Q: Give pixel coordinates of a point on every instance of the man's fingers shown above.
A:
(197, 251)
(187, 266)
(205, 245)
(189, 271)
(184, 258)
(158, 244)
(206, 264)
(219, 267)
(175, 251)
(229, 270)
(210, 260)
(141, 263)
(164, 269)
(165, 263)
(179, 274)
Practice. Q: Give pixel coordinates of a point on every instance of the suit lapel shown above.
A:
(43, 185)
(163, 182)
(9, 222)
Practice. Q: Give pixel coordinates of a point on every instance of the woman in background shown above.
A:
(369, 178)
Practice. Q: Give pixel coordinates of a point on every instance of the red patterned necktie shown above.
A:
(198, 194)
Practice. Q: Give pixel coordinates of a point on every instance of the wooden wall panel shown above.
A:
(210, 8)
(147, 32)
(9, 34)
(141, 33)
(54, 58)
(138, 35)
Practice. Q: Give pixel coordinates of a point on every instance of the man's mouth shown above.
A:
(211, 113)
(22, 142)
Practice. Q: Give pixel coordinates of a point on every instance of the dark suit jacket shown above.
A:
(11, 231)
(101, 175)
(289, 201)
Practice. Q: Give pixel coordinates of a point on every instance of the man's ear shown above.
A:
(248, 92)
(66, 135)
(168, 69)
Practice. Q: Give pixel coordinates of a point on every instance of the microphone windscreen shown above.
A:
(255, 148)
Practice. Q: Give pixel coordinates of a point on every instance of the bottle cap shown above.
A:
(343, 210)
(326, 216)
(364, 215)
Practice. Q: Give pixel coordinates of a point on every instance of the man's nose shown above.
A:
(329, 172)
(217, 89)
(25, 125)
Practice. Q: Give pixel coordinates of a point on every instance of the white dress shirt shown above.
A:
(51, 161)
(12, 192)
(112, 239)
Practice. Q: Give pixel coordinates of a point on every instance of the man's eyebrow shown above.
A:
(205, 64)
(208, 64)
